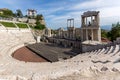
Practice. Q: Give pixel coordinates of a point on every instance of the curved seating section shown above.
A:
(24, 35)
(89, 65)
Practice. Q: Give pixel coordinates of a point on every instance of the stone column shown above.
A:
(86, 21)
(86, 35)
(81, 34)
(73, 23)
(92, 34)
(81, 21)
(38, 39)
(98, 20)
(91, 19)
(67, 23)
(99, 34)
(70, 23)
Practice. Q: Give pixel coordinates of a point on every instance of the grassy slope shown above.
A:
(21, 25)
(8, 24)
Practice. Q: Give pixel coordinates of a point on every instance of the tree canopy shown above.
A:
(115, 31)
(104, 33)
(7, 13)
(39, 17)
(38, 23)
(19, 13)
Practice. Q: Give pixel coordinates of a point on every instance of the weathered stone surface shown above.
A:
(104, 69)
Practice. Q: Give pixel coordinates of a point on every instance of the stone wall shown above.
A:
(89, 48)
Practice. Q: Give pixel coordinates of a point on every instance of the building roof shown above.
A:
(90, 13)
(32, 10)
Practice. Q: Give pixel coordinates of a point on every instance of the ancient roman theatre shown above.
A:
(99, 62)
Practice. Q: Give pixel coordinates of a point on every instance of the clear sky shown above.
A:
(56, 12)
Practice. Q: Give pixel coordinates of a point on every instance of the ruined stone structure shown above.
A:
(73, 37)
(67, 38)
(71, 28)
(90, 28)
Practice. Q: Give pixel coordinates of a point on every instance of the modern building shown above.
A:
(31, 13)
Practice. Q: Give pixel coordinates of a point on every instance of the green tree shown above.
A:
(115, 31)
(104, 33)
(7, 13)
(19, 13)
(109, 35)
(38, 23)
(39, 17)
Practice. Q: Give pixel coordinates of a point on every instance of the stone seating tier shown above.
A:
(102, 61)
